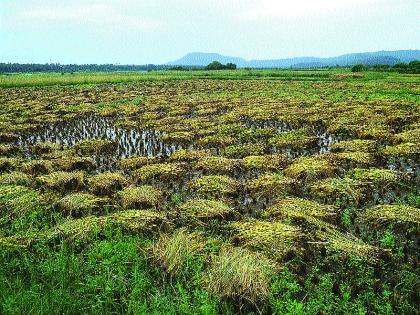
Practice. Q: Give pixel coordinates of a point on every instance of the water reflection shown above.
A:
(130, 142)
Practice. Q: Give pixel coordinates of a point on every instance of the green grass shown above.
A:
(86, 78)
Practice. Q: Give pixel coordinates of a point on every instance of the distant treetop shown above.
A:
(216, 65)
(412, 67)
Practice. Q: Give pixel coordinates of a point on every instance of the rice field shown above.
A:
(200, 192)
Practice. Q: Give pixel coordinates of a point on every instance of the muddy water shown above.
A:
(130, 142)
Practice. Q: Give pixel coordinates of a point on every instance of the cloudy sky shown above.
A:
(157, 31)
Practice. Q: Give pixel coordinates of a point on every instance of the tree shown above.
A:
(216, 65)
(358, 68)
(230, 66)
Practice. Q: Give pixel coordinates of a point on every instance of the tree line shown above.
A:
(402, 67)
(70, 68)
(56, 67)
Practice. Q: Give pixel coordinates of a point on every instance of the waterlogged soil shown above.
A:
(129, 142)
(141, 142)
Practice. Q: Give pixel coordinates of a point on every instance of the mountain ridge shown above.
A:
(377, 57)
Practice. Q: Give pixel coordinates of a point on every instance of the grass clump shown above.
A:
(308, 169)
(378, 132)
(346, 244)
(15, 178)
(135, 162)
(17, 201)
(8, 149)
(214, 186)
(239, 151)
(180, 137)
(393, 214)
(37, 167)
(216, 141)
(241, 276)
(410, 136)
(8, 164)
(356, 145)
(41, 148)
(338, 190)
(206, 210)
(63, 181)
(351, 159)
(14, 242)
(217, 165)
(376, 176)
(160, 172)
(76, 163)
(6, 137)
(95, 147)
(140, 197)
(258, 163)
(270, 185)
(134, 221)
(78, 204)
(275, 239)
(174, 252)
(188, 155)
(143, 222)
(106, 184)
(296, 140)
(79, 230)
(299, 208)
(406, 149)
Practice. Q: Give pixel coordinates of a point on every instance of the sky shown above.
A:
(158, 31)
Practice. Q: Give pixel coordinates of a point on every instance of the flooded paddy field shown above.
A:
(311, 185)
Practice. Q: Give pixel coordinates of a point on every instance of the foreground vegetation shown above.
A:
(285, 192)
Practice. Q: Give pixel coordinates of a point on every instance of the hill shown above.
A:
(369, 58)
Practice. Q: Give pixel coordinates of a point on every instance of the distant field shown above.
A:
(39, 79)
(210, 192)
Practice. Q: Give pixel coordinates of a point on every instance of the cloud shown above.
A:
(269, 9)
(103, 16)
